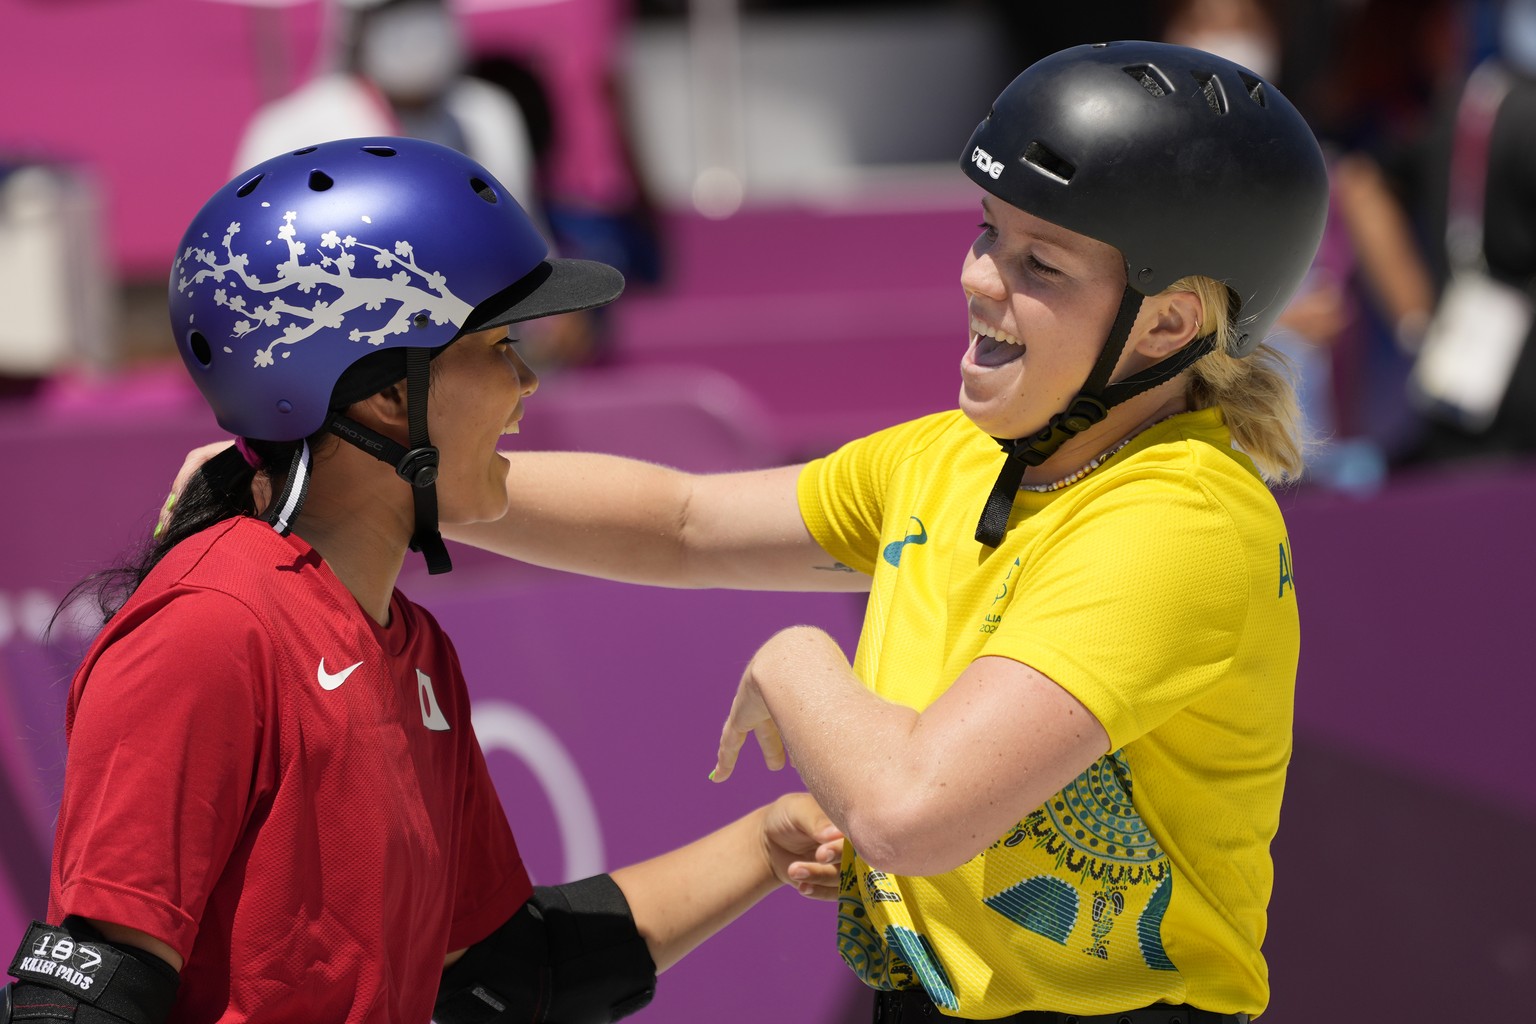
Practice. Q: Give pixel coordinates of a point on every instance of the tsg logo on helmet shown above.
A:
(982, 159)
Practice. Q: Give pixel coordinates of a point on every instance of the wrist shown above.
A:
(768, 852)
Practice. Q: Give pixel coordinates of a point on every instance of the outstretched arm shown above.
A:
(681, 898)
(622, 519)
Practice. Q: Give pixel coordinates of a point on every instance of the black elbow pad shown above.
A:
(69, 972)
(571, 955)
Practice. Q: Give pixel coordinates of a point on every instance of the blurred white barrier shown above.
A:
(55, 290)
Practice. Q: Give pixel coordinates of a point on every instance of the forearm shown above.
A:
(1386, 249)
(919, 794)
(598, 515)
(681, 898)
(854, 750)
(620, 519)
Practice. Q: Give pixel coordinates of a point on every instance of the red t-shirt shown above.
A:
(286, 793)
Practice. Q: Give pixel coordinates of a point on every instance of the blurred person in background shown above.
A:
(397, 67)
(1389, 65)
(1368, 261)
(562, 60)
(400, 67)
(1474, 190)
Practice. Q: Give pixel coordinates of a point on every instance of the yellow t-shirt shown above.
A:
(1158, 591)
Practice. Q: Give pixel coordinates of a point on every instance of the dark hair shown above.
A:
(200, 505)
(204, 502)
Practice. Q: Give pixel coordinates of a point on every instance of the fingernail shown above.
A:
(711, 775)
(170, 501)
(159, 529)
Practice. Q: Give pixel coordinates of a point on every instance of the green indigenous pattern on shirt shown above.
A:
(1148, 591)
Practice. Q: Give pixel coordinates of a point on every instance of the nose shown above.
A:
(979, 276)
(525, 374)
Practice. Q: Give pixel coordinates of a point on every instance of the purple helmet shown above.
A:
(309, 261)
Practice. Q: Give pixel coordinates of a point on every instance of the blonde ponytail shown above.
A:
(1257, 394)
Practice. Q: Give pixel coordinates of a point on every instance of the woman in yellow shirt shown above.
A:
(1059, 752)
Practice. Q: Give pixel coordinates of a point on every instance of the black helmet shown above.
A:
(1184, 161)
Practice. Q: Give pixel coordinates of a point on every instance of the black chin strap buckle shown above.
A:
(1084, 412)
(418, 467)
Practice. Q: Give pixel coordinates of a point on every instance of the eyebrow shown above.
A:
(1059, 238)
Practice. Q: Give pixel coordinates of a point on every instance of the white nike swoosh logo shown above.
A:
(331, 680)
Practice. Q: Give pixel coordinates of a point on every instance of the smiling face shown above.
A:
(478, 386)
(1041, 300)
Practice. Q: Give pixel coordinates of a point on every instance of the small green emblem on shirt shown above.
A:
(992, 620)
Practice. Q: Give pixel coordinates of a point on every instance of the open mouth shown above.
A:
(993, 347)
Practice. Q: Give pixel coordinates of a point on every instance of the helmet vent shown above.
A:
(250, 186)
(483, 190)
(201, 350)
(319, 181)
(1255, 89)
(379, 150)
(1041, 158)
(1210, 88)
(306, 149)
(1150, 79)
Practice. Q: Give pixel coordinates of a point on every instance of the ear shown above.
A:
(384, 412)
(1167, 323)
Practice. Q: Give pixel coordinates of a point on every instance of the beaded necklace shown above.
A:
(1093, 464)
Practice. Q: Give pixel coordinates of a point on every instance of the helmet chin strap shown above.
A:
(416, 466)
(1093, 402)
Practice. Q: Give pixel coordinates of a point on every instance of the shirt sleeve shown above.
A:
(843, 495)
(1135, 615)
(166, 731)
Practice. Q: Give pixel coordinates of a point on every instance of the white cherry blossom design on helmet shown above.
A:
(413, 288)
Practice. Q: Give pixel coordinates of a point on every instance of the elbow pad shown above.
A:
(69, 972)
(571, 955)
